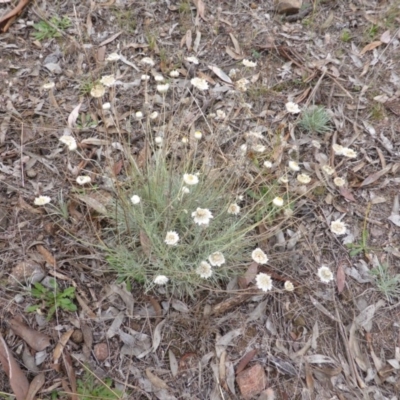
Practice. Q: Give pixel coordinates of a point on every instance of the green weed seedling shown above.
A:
(387, 283)
(51, 29)
(362, 246)
(89, 388)
(54, 298)
(315, 119)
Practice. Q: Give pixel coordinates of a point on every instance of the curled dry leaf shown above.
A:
(36, 384)
(18, 381)
(36, 340)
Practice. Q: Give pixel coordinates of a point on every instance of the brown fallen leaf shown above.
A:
(9, 18)
(370, 47)
(145, 243)
(36, 384)
(36, 340)
(71, 374)
(200, 8)
(58, 350)
(375, 176)
(340, 278)
(18, 381)
(155, 380)
(46, 254)
(245, 360)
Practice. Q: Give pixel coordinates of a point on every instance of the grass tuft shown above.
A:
(315, 119)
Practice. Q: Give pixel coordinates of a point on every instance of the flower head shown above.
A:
(316, 144)
(160, 280)
(145, 77)
(199, 83)
(294, 166)
(83, 180)
(350, 153)
(174, 74)
(259, 256)
(278, 201)
(328, 169)
(304, 178)
(42, 200)
(107, 80)
(159, 140)
(249, 64)
(48, 85)
(338, 149)
(138, 115)
(216, 259)
(198, 135)
(204, 270)
(338, 227)
(339, 181)
(158, 78)
(233, 209)
(113, 57)
(264, 282)
(147, 61)
(192, 59)
(106, 106)
(283, 179)
(97, 90)
(172, 238)
(267, 164)
(135, 199)
(259, 148)
(190, 179)
(325, 274)
(202, 216)
(185, 190)
(69, 141)
(163, 88)
(241, 85)
(292, 108)
(185, 140)
(289, 286)
(154, 115)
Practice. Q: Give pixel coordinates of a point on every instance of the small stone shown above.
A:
(288, 6)
(101, 351)
(26, 272)
(18, 298)
(77, 336)
(252, 381)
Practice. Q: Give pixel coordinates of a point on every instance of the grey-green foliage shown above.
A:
(136, 243)
(315, 119)
(51, 29)
(386, 282)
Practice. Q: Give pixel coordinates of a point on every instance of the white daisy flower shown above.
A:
(158, 140)
(192, 59)
(147, 61)
(283, 179)
(48, 85)
(139, 115)
(325, 274)
(216, 259)
(267, 164)
(145, 77)
(259, 148)
(190, 179)
(278, 201)
(185, 140)
(198, 135)
(289, 286)
(204, 270)
(199, 83)
(294, 166)
(249, 64)
(338, 227)
(292, 108)
(106, 106)
(172, 238)
(243, 148)
(316, 144)
(135, 199)
(304, 178)
(264, 282)
(163, 88)
(202, 216)
(338, 149)
(107, 80)
(83, 180)
(154, 115)
(97, 91)
(42, 200)
(241, 84)
(220, 115)
(69, 141)
(158, 78)
(328, 170)
(185, 190)
(113, 57)
(233, 209)
(259, 256)
(350, 153)
(160, 280)
(174, 74)
(339, 181)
